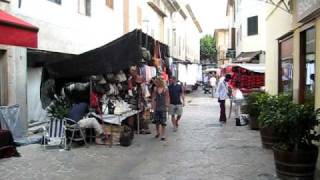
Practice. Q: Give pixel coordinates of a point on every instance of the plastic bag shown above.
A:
(238, 95)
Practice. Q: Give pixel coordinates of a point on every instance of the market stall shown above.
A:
(250, 76)
(113, 78)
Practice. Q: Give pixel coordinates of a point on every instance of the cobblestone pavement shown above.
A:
(200, 150)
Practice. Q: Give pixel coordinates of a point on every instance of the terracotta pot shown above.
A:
(298, 164)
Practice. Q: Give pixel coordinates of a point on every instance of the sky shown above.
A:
(211, 14)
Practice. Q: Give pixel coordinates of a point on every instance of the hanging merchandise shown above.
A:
(156, 55)
(146, 91)
(148, 73)
(182, 73)
(120, 77)
(164, 76)
(154, 71)
(146, 56)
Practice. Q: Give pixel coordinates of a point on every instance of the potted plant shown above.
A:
(59, 109)
(295, 154)
(253, 108)
(270, 107)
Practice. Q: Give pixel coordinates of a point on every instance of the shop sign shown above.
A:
(307, 8)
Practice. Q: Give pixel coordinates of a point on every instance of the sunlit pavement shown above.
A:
(201, 149)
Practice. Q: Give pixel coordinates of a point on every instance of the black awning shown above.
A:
(38, 58)
(177, 61)
(246, 57)
(115, 56)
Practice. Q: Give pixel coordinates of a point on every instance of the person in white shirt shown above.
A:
(237, 99)
(213, 84)
(222, 94)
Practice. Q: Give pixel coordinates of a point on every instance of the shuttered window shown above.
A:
(253, 25)
(84, 7)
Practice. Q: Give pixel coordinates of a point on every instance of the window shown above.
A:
(307, 65)
(56, 1)
(253, 25)
(84, 7)
(286, 65)
(109, 3)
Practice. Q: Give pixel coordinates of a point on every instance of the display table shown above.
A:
(116, 119)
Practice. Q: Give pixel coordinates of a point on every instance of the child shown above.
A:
(237, 99)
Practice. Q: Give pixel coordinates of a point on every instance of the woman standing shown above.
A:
(160, 103)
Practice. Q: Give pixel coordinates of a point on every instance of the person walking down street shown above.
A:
(222, 94)
(213, 83)
(177, 102)
(160, 103)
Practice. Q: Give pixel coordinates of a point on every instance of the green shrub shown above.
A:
(59, 108)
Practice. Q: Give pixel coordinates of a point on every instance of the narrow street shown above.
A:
(201, 149)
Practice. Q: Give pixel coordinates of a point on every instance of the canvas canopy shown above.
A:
(258, 68)
(114, 56)
(117, 55)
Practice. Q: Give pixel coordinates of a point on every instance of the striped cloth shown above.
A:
(56, 128)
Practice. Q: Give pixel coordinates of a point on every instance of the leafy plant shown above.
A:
(271, 107)
(254, 101)
(295, 126)
(59, 108)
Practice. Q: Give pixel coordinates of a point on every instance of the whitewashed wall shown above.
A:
(192, 42)
(244, 10)
(64, 29)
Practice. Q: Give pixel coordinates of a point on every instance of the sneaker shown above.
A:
(163, 139)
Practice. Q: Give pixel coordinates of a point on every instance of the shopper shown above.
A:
(237, 99)
(160, 102)
(222, 94)
(177, 102)
(213, 84)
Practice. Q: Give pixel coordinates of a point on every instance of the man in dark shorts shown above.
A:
(176, 93)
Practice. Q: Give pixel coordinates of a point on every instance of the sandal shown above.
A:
(163, 139)
(156, 136)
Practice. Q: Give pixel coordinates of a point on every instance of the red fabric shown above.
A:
(18, 37)
(5, 17)
(165, 76)
(7, 147)
(17, 32)
(94, 100)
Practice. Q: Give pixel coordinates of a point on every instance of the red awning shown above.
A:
(16, 32)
